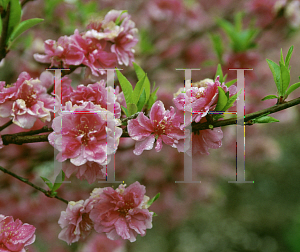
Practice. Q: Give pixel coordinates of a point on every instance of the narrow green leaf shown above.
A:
(125, 110)
(48, 182)
(275, 69)
(138, 90)
(132, 109)
(58, 181)
(268, 97)
(265, 119)
(154, 214)
(0, 26)
(142, 101)
(231, 100)
(140, 74)
(150, 202)
(222, 100)
(126, 87)
(238, 21)
(285, 77)
(14, 16)
(224, 78)
(229, 83)
(288, 56)
(219, 72)
(118, 20)
(281, 57)
(217, 45)
(152, 99)
(292, 88)
(24, 26)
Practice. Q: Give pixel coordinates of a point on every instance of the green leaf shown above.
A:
(140, 74)
(142, 101)
(265, 119)
(14, 16)
(154, 214)
(126, 87)
(222, 100)
(24, 26)
(217, 45)
(288, 56)
(150, 202)
(145, 42)
(268, 97)
(125, 110)
(118, 20)
(275, 69)
(281, 57)
(132, 109)
(285, 77)
(138, 90)
(152, 99)
(229, 83)
(4, 3)
(48, 182)
(58, 181)
(238, 20)
(219, 72)
(292, 88)
(0, 25)
(224, 78)
(231, 100)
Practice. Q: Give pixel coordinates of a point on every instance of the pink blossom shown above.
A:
(26, 101)
(100, 243)
(121, 213)
(14, 235)
(162, 127)
(205, 140)
(80, 134)
(95, 93)
(75, 221)
(126, 40)
(64, 52)
(89, 171)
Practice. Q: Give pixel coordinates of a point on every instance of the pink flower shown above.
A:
(121, 213)
(205, 140)
(14, 235)
(126, 40)
(26, 101)
(66, 51)
(95, 93)
(162, 126)
(80, 133)
(100, 243)
(75, 221)
(89, 171)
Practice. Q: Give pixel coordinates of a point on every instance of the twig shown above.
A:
(47, 193)
(4, 126)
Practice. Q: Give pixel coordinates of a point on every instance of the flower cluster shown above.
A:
(25, 101)
(14, 235)
(168, 126)
(120, 213)
(105, 44)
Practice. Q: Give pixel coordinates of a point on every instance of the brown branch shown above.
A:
(47, 193)
(4, 126)
(5, 21)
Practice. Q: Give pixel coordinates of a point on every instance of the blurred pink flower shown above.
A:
(162, 126)
(75, 221)
(121, 213)
(81, 135)
(26, 101)
(89, 171)
(100, 243)
(14, 235)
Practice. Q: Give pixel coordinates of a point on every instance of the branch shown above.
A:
(47, 193)
(29, 137)
(5, 125)
(5, 20)
(248, 117)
